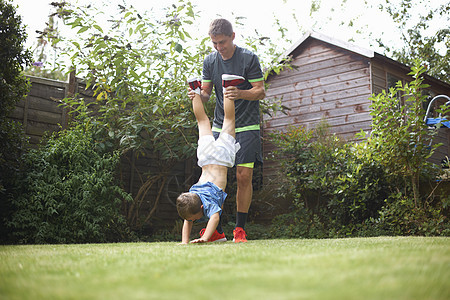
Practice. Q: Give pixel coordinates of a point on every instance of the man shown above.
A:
(231, 59)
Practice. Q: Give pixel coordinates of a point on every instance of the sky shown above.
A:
(35, 13)
(259, 15)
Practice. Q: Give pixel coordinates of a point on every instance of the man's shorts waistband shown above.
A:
(239, 129)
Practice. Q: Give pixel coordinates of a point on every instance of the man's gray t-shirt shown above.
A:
(243, 63)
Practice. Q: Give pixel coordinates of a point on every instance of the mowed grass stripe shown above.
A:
(359, 268)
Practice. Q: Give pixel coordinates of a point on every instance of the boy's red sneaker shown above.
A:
(239, 235)
(231, 80)
(195, 84)
(216, 237)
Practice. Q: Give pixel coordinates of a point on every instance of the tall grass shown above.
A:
(360, 268)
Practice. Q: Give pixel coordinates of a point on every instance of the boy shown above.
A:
(206, 197)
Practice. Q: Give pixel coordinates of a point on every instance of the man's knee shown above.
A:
(244, 175)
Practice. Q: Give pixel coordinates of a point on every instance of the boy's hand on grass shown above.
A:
(196, 241)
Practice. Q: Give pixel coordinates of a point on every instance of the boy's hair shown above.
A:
(220, 27)
(188, 204)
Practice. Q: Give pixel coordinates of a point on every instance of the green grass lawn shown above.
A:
(359, 268)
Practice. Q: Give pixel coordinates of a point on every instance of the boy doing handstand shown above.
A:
(206, 197)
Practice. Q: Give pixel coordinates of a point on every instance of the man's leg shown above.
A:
(244, 177)
(228, 127)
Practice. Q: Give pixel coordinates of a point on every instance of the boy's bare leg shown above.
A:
(204, 127)
(229, 118)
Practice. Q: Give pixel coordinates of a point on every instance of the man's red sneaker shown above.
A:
(239, 235)
(216, 237)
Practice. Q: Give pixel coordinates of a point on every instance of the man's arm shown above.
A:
(186, 232)
(205, 92)
(210, 228)
(257, 92)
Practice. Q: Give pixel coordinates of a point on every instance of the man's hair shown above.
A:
(188, 204)
(220, 27)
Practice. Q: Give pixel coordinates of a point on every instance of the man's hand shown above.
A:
(232, 93)
(191, 94)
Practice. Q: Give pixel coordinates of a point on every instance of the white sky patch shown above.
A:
(332, 19)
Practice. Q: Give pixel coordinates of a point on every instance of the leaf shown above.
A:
(98, 28)
(76, 45)
(139, 27)
(178, 48)
(83, 29)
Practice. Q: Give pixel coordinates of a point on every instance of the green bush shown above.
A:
(366, 188)
(69, 193)
(300, 222)
(13, 88)
(399, 216)
(331, 181)
(13, 57)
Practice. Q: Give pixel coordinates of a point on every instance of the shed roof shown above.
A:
(319, 36)
(355, 49)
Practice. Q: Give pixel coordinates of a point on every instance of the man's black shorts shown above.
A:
(251, 150)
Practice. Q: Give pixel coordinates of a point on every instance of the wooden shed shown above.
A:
(333, 80)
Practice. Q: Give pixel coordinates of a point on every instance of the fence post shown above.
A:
(70, 92)
(25, 115)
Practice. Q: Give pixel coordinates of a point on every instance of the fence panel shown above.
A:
(40, 112)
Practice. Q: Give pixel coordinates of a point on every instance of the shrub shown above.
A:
(332, 182)
(13, 88)
(13, 56)
(400, 138)
(69, 193)
(368, 188)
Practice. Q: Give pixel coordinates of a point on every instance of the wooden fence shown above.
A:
(41, 112)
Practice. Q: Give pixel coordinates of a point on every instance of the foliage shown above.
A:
(418, 44)
(333, 182)
(137, 68)
(370, 187)
(400, 216)
(400, 138)
(69, 193)
(42, 55)
(12, 143)
(13, 88)
(13, 55)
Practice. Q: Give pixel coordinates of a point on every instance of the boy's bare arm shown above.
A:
(210, 228)
(186, 232)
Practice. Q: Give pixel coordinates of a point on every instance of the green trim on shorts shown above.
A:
(240, 129)
(247, 165)
(255, 80)
(206, 80)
